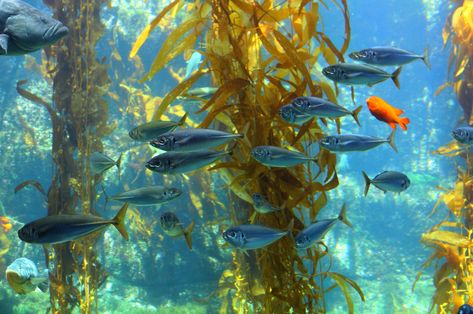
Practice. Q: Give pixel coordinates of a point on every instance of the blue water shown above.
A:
(155, 273)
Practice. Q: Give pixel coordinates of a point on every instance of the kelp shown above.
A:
(79, 117)
(451, 239)
(250, 57)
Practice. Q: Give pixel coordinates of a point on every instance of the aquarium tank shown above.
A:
(236, 156)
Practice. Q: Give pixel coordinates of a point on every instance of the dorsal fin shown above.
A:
(398, 111)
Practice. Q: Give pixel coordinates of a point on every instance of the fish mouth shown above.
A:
(154, 143)
(176, 192)
(327, 72)
(225, 236)
(14, 276)
(323, 142)
(56, 32)
(456, 135)
(354, 56)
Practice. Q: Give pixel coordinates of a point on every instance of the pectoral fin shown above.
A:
(44, 286)
(4, 42)
(38, 280)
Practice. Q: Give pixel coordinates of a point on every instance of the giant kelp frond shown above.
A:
(459, 30)
(260, 56)
(451, 238)
(452, 244)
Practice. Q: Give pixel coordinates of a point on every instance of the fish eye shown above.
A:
(333, 140)
(302, 240)
(299, 102)
(285, 112)
(258, 152)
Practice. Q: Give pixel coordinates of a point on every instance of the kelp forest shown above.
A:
(451, 238)
(252, 51)
(258, 56)
(232, 66)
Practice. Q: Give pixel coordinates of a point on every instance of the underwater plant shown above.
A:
(257, 66)
(451, 238)
(79, 115)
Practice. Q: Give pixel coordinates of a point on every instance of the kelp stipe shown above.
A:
(451, 240)
(258, 66)
(79, 115)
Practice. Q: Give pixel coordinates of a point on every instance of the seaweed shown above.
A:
(79, 115)
(251, 57)
(451, 239)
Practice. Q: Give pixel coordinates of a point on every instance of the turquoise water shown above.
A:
(154, 273)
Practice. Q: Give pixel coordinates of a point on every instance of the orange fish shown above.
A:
(5, 224)
(383, 111)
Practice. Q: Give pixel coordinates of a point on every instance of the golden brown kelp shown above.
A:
(451, 238)
(79, 121)
(260, 56)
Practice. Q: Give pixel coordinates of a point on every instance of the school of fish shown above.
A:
(26, 29)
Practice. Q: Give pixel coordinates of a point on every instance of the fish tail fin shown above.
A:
(118, 163)
(188, 234)
(425, 58)
(395, 77)
(355, 114)
(289, 228)
(107, 198)
(367, 182)
(343, 216)
(245, 130)
(229, 149)
(403, 122)
(391, 140)
(119, 221)
(183, 119)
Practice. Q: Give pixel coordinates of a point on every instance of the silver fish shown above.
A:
(23, 276)
(317, 230)
(355, 142)
(181, 162)
(250, 237)
(24, 29)
(57, 229)
(173, 227)
(151, 130)
(100, 163)
(198, 94)
(193, 63)
(463, 135)
(388, 56)
(261, 205)
(273, 156)
(391, 181)
(291, 115)
(192, 139)
(148, 195)
(318, 107)
(359, 74)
